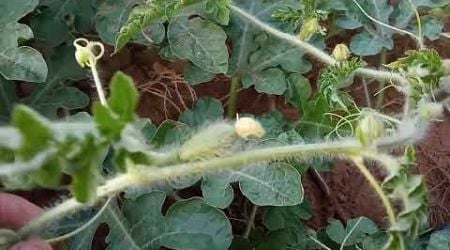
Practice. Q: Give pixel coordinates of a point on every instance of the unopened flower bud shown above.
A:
(87, 52)
(341, 52)
(310, 27)
(247, 127)
(83, 56)
(369, 128)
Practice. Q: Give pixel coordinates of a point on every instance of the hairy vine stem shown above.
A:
(144, 175)
(317, 53)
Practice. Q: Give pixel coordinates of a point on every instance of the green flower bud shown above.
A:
(341, 52)
(212, 141)
(83, 56)
(369, 128)
(309, 28)
(85, 51)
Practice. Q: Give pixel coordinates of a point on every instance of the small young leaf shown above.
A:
(124, 96)
(121, 105)
(107, 124)
(37, 137)
(86, 166)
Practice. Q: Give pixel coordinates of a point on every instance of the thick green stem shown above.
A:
(144, 175)
(381, 84)
(234, 97)
(358, 161)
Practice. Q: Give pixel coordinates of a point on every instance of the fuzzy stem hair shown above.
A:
(144, 175)
(317, 53)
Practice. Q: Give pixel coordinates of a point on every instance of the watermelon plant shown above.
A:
(125, 171)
